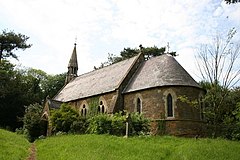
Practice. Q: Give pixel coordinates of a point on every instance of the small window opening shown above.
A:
(169, 106)
(101, 108)
(139, 105)
(84, 111)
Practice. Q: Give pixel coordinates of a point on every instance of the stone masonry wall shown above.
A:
(108, 99)
(186, 120)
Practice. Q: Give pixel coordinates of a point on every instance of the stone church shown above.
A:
(151, 87)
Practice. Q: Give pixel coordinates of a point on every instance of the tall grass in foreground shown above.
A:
(105, 147)
(13, 146)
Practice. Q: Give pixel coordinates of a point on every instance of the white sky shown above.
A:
(107, 26)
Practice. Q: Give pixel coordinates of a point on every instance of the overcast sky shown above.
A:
(107, 26)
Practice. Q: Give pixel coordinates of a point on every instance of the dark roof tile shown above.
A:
(158, 71)
(96, 82)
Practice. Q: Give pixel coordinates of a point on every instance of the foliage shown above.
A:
(93, 104)
(79, 126)
(161, 127)
(232, 1)
(140, 125)
(52, 84)
(219, 68)
(10, 41)
(224, 120)
(32, 121)
(108, 147)
(116, 124)
(185, 99)
(63, 118)
(129, 53)
(12, 96)
(13, 146)
(21, 87)
(218, 61)
(66, 119)
(99, 124)
(231, 123)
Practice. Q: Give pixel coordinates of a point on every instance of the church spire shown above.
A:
(72, 66)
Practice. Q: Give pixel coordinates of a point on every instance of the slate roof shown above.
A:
(158, 71)
(96, 82)
(54, 104)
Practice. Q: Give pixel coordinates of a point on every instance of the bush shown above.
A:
(68, 120)
(139, 124)
(99, 124)
(116, 124)
(79, 126)
(63, 118)
(32, 124)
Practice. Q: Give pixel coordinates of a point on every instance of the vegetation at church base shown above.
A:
(96, 147)
(13, 146)
(67, 120)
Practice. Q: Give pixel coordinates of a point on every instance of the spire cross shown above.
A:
(168, 47)
(75, 41)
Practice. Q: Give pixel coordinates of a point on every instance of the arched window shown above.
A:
(169, 105)
(101, 108)
(139, 105)
(84, 111)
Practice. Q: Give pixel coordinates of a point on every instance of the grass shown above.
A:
(105, 147)
(13, 146)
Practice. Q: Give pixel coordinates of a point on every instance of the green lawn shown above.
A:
(13, 146)
(104, 147)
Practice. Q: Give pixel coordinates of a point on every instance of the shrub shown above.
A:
(63, 118)
(32, 124)
(79, 126)
(118, 124)
(99, 124)
(139, 124)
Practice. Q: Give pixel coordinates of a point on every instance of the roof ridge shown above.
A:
(97, 70)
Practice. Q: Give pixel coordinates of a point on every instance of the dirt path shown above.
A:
(32, 155)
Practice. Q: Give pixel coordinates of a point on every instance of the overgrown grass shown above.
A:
(99, 147)
(13, 146)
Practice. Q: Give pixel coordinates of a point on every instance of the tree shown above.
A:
(18, 89)
(11, 103)
(218, 64)
(129, 53)
(232, 1)
(52, 84)
(10, 41)
(21, 87)
(218, 61)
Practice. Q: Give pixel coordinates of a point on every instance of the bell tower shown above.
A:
(72, 66)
